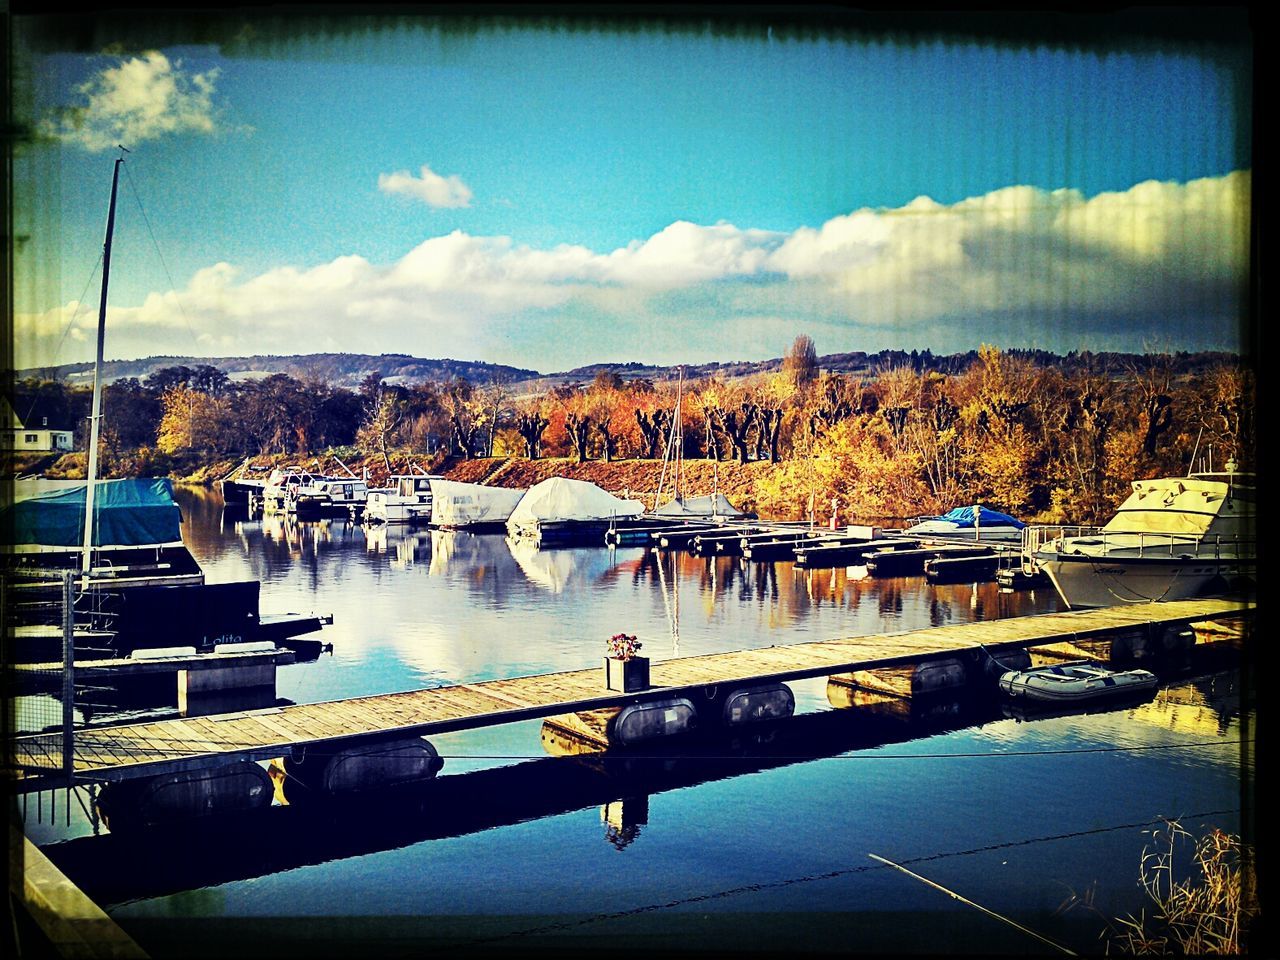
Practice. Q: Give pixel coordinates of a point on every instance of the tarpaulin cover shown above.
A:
(455, 504)
(127, 513)
(560, 498)
(963, 517)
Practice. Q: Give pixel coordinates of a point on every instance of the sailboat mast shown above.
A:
(95, 417)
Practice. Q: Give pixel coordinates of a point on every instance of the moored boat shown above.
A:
(561, 511)
(473, 506)
(1172, 538)
(972, 523)
(407, 498)
(238, 487)
(138, 586)
(1074, 682)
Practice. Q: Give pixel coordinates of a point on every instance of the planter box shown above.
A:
(626, 676)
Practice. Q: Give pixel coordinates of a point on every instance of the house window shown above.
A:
(32, 438)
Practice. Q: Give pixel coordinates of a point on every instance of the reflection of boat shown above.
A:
(556, 570)
(1075, 682)
(1173, 538)
(562, 512)
(971, 523)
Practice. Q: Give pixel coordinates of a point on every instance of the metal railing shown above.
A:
(1139, 544)
(53, 709)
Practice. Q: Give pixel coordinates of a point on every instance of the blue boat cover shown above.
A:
(963, 517)
(127, 513)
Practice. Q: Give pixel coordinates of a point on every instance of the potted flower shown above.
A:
(623, 670)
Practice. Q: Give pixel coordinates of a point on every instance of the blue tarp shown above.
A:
(963, 517)
(127, 513)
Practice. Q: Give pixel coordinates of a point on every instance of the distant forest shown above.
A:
(888, 433)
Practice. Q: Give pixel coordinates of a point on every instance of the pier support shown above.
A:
(237, 684)
(339, 770)
(594, 731)
(773, 701)
(235, 787)
(931, 676)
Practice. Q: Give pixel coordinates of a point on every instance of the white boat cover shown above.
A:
(712, 505)
(457, 504)
(560, 498)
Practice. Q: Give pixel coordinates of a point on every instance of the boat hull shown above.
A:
(1089, 581)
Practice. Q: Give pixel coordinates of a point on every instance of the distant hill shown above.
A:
(336, 369)
(350, 369)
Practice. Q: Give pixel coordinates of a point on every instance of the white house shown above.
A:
(35, 431)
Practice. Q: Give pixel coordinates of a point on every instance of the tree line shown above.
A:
(1008, 430)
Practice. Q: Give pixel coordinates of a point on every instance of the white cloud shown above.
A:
(138, 99)
(1017, 267)
(431, 188)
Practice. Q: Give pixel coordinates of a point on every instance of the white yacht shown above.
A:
(1173, 538)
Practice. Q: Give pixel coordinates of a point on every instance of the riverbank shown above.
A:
(750, 487)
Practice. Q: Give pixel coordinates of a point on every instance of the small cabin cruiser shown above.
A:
(408, 498)
(306, 494)
(1073, 682)
(1173, 538)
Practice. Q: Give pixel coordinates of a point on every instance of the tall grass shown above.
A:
(1204, 910)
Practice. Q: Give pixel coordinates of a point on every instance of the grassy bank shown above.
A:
(750, 487)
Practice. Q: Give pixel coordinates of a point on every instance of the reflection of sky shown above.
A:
(415, 607)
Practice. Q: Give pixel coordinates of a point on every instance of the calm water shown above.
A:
(759, 843)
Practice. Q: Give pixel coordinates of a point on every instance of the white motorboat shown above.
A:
(1173, 538)
(1074, 682)
(299, 491)
(407, 499)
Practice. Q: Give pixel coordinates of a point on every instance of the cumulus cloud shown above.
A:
(1019, 266)
(429, 187)
(137, 99)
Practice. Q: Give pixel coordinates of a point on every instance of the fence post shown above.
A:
(68, 676)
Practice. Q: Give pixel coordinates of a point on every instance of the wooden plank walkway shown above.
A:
(110, 753)
(121, 668)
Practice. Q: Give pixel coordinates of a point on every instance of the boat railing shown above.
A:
(1141, 544)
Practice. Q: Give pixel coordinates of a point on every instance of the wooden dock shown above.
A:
(106, 670)
(146, 749)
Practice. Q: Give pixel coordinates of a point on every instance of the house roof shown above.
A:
(37, 413)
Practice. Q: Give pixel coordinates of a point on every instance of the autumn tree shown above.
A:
(383, 412)
(531, 423)
(195, 422)
(800, 365)
(465, 412)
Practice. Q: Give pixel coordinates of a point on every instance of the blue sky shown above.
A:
(549, 198)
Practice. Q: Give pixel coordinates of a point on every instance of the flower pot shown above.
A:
(626, 676)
